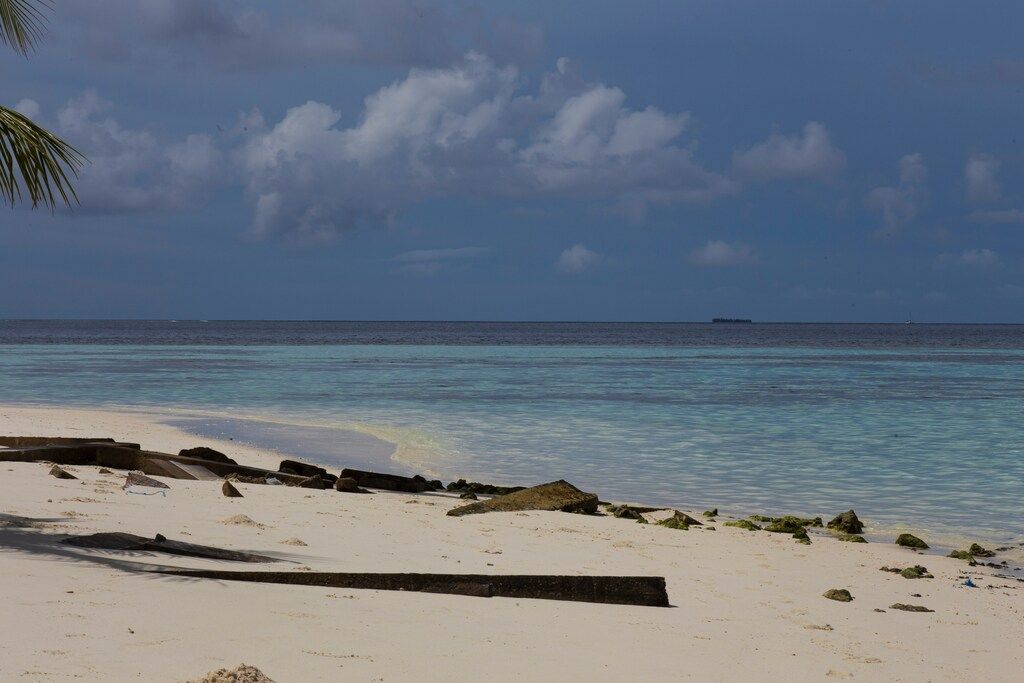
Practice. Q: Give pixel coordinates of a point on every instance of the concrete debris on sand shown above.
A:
(556, 495)
(243, 673)
(60, 473)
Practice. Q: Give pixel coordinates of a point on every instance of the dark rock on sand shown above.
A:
(679, 520)
(711, 513)
(802, 537)
(838, 594)
(743, 524)
(851, 538)
(303, 469)
(348, 485)
(204, 453)
(486, 489)
(229, 490)
(787, 525)
(626, 511)
(61, 473)
(468, 495)
(556, 495)
(911, 541)
(387, 482)
(314, 482)
(916, 572)
(104, 470)
(910, 608)
(139, 479)
(848, 523)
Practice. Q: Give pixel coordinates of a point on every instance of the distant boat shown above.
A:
(731, 320)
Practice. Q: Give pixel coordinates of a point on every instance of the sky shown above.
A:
(570, 160)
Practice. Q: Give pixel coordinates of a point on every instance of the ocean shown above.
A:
(915, 426)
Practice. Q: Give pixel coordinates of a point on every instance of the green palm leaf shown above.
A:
(43, 160)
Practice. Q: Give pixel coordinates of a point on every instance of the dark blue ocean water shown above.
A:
(913, 425)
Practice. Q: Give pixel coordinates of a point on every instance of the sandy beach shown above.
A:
(745, 605)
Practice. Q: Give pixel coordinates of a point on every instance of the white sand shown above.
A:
(747, 605)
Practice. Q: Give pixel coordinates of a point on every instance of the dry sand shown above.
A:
(746, 605)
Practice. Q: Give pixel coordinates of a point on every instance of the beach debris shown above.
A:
(648, 591)
(802, 537)
(556, 495)
(910, 608)
(135, 478)
(61, 473)
(974, 551)
(468, 495)
(851, 538)
(711, 513)
(388, 482)
(230, 491)
(969, 583)
(294, 541)
(742, 524)
(838, 594)
(679, 520)
(245, 479)
(177, 470)
(243, 673)
(484, 489)
(242, 520)
(847, 523)
(160, 543)
(790, 524)
(274, 481)
(204, 453)
(348, 485)
(916, 572)
(911, 541)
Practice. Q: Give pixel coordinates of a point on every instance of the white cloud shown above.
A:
(430, 261)
(466, 130)
(131, 170)
(29, 108)
(1005, 216)
(577, 259)
(980, 258)
(980, 175)
(899, 205)
(809, 154)
(719, 254)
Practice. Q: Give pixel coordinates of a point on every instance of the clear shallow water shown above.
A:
(916, 426)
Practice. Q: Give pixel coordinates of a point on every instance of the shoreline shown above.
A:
(748, 604)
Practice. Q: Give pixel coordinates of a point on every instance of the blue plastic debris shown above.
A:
(969, 583)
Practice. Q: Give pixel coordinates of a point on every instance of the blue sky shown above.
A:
(388, 159)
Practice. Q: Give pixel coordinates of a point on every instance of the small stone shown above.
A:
(711, 513)
(910, 608)
(104, 470)
(228, 489)
(911, 541)
(838, 594)
(60, 473)
(847, 523)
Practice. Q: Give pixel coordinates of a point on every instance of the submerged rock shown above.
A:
(556, 495)
(848, 523)
(61, 473)
(743, 524)
(911, 541)
(230, 491)
(838, 594)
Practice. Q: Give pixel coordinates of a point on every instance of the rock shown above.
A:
(916, 572)
(977, 551)
(204, 453)
(851, 538)
(243, 673)
(626, 512)
(556, 495)
(802, 537)
(468, 495)
(787, 525)
(911, 541)
(139, 479)
(743, 524)
(910, 608)
(348, 485)
(61, 473)
(848, 523)
(788, 521)
(839, 594)
(436, 485)
(962, 555)
(314, 482)
(104, 470)
(245, 478)
(894, 570)
(229, 490)
(711, 513)
(303, 469)
(679, 520)
(388, 482)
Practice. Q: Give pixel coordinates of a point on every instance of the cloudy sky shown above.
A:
(584, 160)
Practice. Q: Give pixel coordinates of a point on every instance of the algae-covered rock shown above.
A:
(977, 551)
(916, 572)
(962, 555)
(711, 513)
(786, 525)
(679, 520)
(763, 518)
(911, 541)
(624, 512)
(743, 524)
(802, 537)
(910, 608)
(838, 594)
(851, 538)
(848, 523)
(641, 520)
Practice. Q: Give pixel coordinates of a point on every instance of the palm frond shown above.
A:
(43, 160)
(22, 23)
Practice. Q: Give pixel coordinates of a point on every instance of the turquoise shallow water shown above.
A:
(927, 438)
